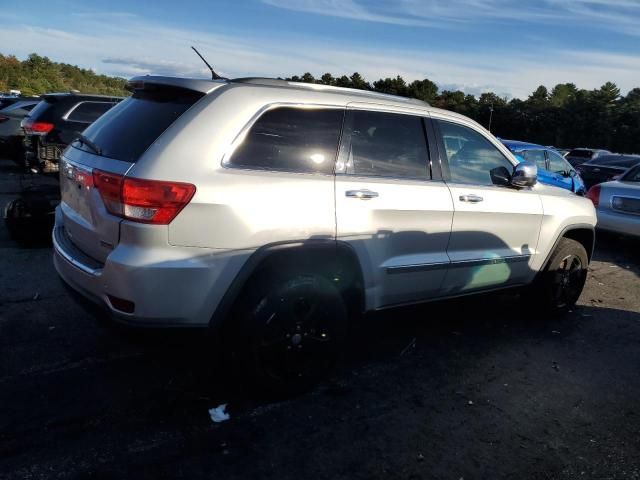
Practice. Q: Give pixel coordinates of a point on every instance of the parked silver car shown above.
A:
(278, 210)
(618, 203)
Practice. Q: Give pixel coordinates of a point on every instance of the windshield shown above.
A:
(129, 128)
(632, 175)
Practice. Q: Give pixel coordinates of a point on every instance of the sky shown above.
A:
(506, 46)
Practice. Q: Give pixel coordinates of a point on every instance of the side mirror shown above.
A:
(500, 176)
(525, 174)
(572, 173)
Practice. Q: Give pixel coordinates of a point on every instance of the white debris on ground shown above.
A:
(218, 413)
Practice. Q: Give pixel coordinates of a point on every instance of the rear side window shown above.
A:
(292, 140)
(88, 112)
(384, 144)
(580, 153)
(125, 131)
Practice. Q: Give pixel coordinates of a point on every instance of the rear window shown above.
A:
(616, 161)
(632, 175)
(128, 129)
(39, 109)
(88, 112)
(580, 153)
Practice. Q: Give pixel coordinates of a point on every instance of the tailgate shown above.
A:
(86, 222)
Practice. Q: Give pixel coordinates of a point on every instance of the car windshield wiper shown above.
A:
(85, 141)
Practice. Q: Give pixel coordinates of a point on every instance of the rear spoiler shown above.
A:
(200, 85)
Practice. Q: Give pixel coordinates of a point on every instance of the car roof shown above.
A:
(80, 96)
(206, 86)
(615, 160)
(519, 145)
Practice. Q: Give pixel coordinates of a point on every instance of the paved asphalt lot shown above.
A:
(466, 389)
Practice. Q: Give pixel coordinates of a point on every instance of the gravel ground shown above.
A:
(465, 389)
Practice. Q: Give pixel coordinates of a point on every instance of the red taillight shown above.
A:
(110, 187)
(146, 201)
(36, 128)
(594, 194)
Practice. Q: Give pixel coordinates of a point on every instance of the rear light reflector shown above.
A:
(594, 195)
(36, 128)
(145, 201)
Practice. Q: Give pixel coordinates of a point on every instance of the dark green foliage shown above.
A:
(564, 117)
(37, 75)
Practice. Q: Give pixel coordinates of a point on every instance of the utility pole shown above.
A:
(490, 115)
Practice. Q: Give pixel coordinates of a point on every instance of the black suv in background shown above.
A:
(578, 156)
(55, 122)
(605, 168)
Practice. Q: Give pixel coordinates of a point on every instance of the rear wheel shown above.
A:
(562, 282)
(289, 332)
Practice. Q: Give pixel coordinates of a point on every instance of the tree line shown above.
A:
(565, 116)
(37, 75)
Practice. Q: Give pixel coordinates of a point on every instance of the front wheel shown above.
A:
(562, 282)
(292, 331)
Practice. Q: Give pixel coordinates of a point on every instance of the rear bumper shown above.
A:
(626, 224)
(181, 287)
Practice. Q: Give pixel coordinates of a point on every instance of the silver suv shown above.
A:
(275, 211)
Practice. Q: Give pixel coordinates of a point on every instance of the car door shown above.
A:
(495, 227)
(561, 170)
(391, 205)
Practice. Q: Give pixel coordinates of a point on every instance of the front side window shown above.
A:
(292, 139)
(384, 144)
(88, 112)
(557, 163)
(536, 156)
(470, 156)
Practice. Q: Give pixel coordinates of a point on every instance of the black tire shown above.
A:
(561, 284)
(288, 333)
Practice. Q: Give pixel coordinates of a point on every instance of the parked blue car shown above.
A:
(553, 169)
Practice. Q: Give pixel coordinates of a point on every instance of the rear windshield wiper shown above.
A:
(85, 141)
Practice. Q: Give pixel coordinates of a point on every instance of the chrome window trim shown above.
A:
(65, 117)
(241, 135)
(456, 264)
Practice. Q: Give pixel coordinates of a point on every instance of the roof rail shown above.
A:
(278, 82)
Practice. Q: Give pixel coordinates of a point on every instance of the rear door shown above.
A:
(495, 228)
(391, 205)
(122, 135)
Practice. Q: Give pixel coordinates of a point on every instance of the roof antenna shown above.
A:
(214, 75)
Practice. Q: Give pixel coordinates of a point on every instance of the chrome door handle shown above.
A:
(361, 194)
(471, 198)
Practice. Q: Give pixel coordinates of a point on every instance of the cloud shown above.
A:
(135, 46)
(612, 14)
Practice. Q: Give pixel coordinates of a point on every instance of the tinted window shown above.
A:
(536, 156)
(580, 153)
(632, 175)
(292, 139)
(125, 131)
(88, 112)
(616, 160)
(475, 157)
(557, 163)
(384, 144)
